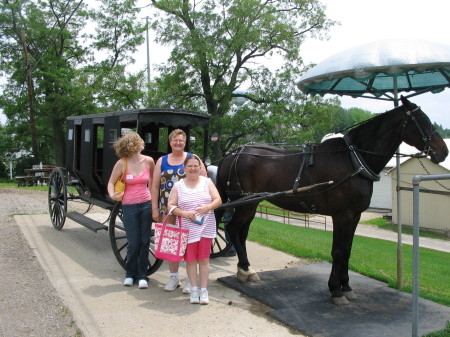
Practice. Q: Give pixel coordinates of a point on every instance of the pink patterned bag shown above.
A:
(170, 241)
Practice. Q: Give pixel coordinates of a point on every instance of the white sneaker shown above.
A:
(143, 284)
(173, 284)
(195, 296)
(204, 298)
(187, 287)
(128, 282)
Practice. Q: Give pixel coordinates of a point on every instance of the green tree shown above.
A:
(50, 31)
(65, 67)
(118, 34)
(444, 133)
(218, 47)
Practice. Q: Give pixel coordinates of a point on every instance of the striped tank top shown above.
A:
(188, 200)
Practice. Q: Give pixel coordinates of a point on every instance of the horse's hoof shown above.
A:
(242, 275)
(252, 275)
(340, 300)
(350, 295)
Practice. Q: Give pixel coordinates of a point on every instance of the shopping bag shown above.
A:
(170, 241)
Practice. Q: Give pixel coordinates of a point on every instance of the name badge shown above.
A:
(129, 176)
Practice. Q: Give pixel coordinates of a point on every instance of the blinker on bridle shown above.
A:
(426, 138)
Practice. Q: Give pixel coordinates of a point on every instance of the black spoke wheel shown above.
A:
(57, 198)
(220, 244)
(119, 241)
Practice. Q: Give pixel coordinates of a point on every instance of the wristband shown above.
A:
(171, 210)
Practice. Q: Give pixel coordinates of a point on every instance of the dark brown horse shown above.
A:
(352, 162)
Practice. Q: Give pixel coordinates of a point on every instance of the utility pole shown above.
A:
(34, 143)
(148, 55)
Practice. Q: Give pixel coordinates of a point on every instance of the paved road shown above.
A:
(82, 268)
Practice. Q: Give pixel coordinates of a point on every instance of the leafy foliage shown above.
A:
(219, 47)
(66, 74)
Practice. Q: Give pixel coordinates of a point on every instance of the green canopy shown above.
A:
(382, 69)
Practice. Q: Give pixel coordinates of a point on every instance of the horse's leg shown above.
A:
(252, 275)
(344, 226)
(345, 286)
(238, 230)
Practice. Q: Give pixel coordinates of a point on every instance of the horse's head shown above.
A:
(420, 133)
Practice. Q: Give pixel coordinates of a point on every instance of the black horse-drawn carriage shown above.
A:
(90, 158)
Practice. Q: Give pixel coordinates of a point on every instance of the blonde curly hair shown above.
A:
(128, 144)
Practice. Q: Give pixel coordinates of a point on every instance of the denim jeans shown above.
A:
(137, 220)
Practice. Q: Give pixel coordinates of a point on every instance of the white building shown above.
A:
(434, 208)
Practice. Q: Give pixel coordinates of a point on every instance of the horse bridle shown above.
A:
(426, 138)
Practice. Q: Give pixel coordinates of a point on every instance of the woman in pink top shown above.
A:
(136, 204)
(194, 198)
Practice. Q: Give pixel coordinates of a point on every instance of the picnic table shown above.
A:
(38, 175)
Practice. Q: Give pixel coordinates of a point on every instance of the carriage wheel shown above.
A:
(119, 241)
(57, 198)
(220, 244)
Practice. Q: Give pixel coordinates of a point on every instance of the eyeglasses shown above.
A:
(177, 141)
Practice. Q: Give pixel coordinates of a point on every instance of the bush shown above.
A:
(4, 170)
(22, 163)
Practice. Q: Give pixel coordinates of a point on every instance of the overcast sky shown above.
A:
(366, 21)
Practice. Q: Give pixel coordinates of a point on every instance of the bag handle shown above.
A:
(164, 227)
(125, 171)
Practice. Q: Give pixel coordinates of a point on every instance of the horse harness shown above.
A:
(426, 138)
(361, 167)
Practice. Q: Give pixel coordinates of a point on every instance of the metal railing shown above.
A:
(416, 224)
(290, 216)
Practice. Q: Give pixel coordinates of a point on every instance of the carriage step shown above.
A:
(97, 202)
(86, 222)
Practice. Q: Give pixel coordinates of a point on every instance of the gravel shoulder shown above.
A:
(29, 304)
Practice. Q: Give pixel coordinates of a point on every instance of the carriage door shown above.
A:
(150, 134)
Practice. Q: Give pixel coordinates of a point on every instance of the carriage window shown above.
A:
(163, 140)
(100, 136)
(112, 135)
(148, 138)
(87, 135)
(70, 135)
(126, 130)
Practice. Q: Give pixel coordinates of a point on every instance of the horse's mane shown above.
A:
(373, 125)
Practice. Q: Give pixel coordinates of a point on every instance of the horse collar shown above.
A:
(359, 162)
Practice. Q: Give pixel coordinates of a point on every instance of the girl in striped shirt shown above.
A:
(194, 198)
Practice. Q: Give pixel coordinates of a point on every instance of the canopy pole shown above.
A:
(399, 205)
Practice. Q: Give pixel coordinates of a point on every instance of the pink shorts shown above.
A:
(199, 250)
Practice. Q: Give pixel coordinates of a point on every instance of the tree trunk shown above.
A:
(34, 143)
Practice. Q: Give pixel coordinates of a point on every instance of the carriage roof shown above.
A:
(171, 117)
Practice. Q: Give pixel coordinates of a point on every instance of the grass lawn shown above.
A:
(371, 257)
(13, 184)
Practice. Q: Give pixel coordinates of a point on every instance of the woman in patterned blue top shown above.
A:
(168, 170)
